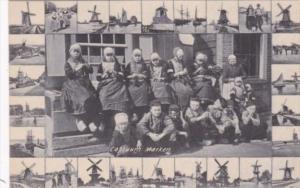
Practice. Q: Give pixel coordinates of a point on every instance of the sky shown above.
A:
(287, 39)
(215, 6)
(33, 102)
(233, 167)
(64, 4)
(20, 133)
(33, 71)
(15, 15)
(167, 165)
(16, 166)
(280, 163)
(284, 133)
(191, 6)
(85, 6)
(148, 10)
(133, 8)
(187, 166)
(294, 10)
(266, 5)
(58, 164)
(286, 70)
(31, 39)
(292, 101)
(84, 164)
(127, 163)
(246, 169)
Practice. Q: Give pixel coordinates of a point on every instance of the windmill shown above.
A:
(94, 174)
(286, 19)
(158, 172)
(26, 16)
(222, 173)
(94, 17)
(223, 20)
(295, 136)
(287, 175)
(256, 171)
(69, 170)
(27, 173)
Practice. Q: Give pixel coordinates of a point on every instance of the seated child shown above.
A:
(181, 127)
(123, 137)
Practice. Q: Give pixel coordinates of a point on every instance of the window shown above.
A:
(247, 49)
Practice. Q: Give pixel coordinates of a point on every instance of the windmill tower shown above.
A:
(158, 172)
(69, 170)
(222, 174)
(223, 20)
(286, 18)
(287, 174)
(256, 171)
(198, 170)
(26, 16)
(94, 174)
(27, 173)
(295, 136)
(95, 15)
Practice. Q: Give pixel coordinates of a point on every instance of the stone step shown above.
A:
(81, 151)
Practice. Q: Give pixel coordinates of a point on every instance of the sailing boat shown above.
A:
(198, 21)
(182, 20)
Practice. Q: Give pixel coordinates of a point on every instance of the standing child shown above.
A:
(78, 93)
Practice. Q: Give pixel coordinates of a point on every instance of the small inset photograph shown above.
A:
(93, 16)
(27, 49)
(126, 172)
(285, 79)
(286, 48)
(157, 16)
(27, 142)
(285, 16)
(190, 16)
(256, 172)
(158, 172)
(125, 16)
(27, 172)
(223, 172)
(286, 172)
(61, 172)
(27, 80)
(190, 172)
(286, 110)
(93, 172)
(286, 141)
(61, 16)
(222, 16)
(26, 17)
(255, 16)
(27, 111)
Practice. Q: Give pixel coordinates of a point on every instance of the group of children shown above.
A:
(254, 19)
(161, 105)
(60, 20)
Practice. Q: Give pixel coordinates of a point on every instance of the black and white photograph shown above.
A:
(190, 172)
(26, 17)
(27, 111)
(285, 79)
(286, 48)
(223, 172)
(27, 80)
(27, 49)
(286, 141)
(190, 16)
(125, 16)
(285, 16)
(235, 110)
(93, 172)
(61, 172)
(158, 172)
(27, 172)
(222, 16)
(285, 110)
(158, 16)
(61, 16)
(286, 172)
(126, 172)
(27, 142)
(255, 16)
(93, 16)
(256, 172)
